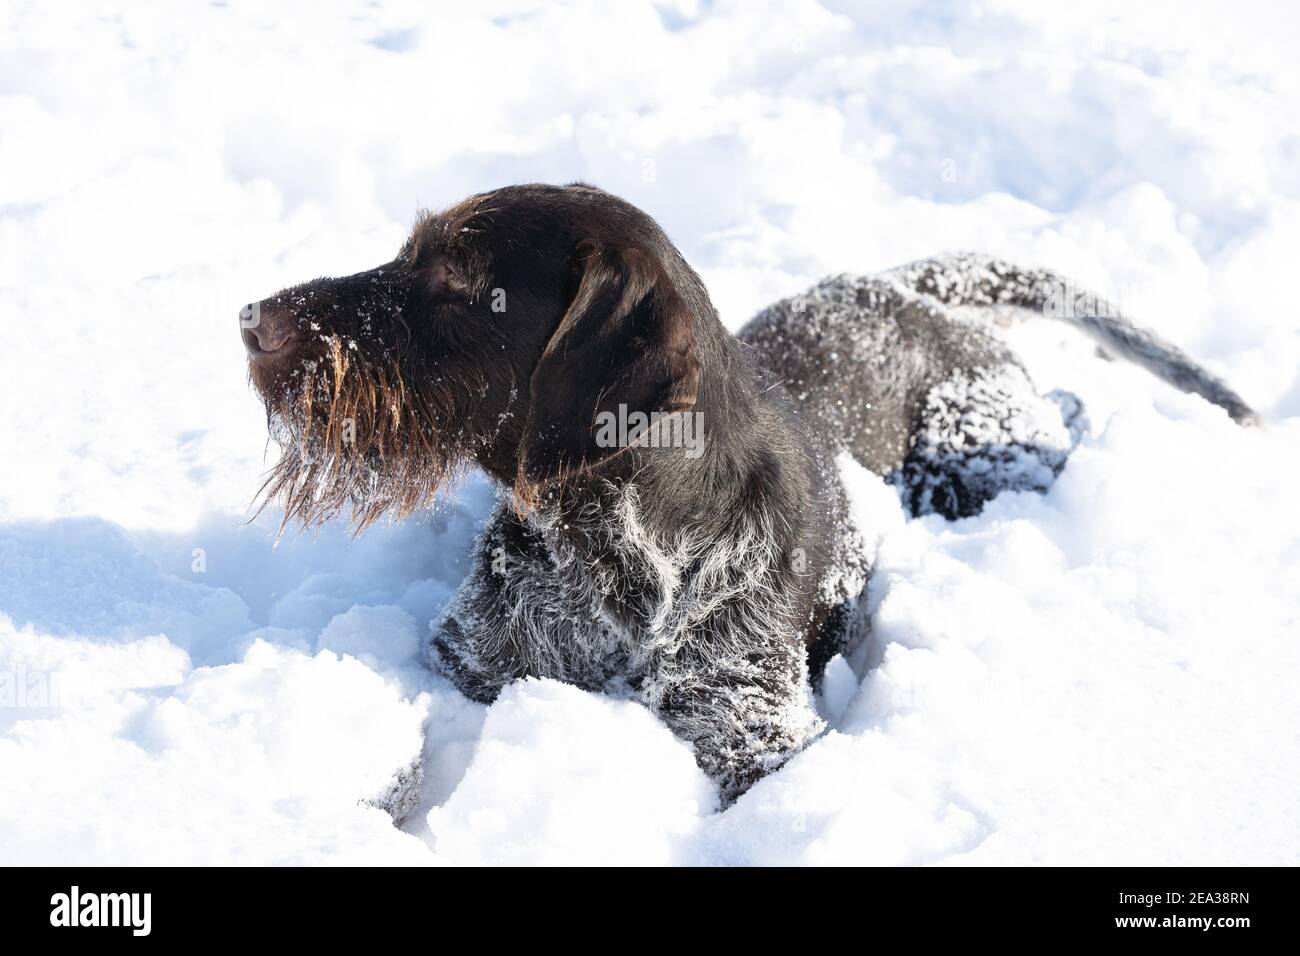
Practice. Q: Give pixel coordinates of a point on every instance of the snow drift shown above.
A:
(1096, 675)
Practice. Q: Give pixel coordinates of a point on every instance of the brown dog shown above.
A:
(673, 525)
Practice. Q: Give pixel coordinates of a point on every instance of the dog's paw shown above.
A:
(402, 795)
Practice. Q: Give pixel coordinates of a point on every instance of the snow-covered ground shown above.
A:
(1103, 674)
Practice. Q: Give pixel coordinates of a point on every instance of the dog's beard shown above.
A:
(356, 436)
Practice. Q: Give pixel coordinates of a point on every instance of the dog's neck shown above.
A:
(680, 492)
(723, 445)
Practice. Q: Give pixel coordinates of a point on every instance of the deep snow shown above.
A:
(1101, 674)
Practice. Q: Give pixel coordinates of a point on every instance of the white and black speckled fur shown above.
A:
(699, 586)
(905, 372)
(702, 625)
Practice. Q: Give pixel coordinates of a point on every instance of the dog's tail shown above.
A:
(976, 280)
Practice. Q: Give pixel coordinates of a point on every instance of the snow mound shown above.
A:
(560, 776)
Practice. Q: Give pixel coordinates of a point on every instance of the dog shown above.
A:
(672, 522)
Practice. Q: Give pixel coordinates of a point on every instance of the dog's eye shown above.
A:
(443, 277)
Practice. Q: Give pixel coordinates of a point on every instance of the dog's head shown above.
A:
(502, 330)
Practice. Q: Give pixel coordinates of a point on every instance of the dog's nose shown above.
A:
(264, 328)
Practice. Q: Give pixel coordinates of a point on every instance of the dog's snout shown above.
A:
(264, 328)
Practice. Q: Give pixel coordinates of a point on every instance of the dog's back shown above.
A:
(858, 356)
(905, 372)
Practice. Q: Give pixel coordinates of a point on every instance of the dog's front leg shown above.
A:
(746, 709)
(480, 642)
(523, 611)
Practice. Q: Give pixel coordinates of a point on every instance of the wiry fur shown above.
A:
(696, 625)
(354, 438)
(905, 372)
(983, 281)
(710, 586)
(982, 433)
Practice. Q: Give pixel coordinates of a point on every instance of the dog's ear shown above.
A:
(626, 339)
